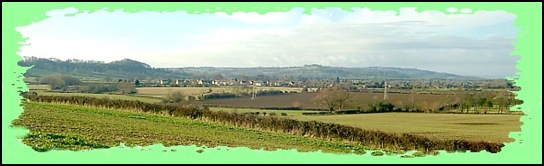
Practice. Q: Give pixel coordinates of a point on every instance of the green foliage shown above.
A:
(125, 68)
(418, 154)
(43, 142)
(382, 107)
(377, 153)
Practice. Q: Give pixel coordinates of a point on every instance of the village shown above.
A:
(355, 85)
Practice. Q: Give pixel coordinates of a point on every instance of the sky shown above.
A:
(460, 41)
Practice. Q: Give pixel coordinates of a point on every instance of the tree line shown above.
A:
(337, 98)
(66, 83)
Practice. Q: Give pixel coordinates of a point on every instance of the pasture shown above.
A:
(261, 111)
(163, 91)
(474, 127)
(109, 96)
(39, 87)
(70, 127)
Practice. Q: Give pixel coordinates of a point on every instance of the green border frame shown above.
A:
(526, 149)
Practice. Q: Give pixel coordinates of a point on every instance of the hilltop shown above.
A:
(132, 69)
(319, 72)
(126, 69)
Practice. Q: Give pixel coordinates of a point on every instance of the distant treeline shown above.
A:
(314, 129)
(125, 68)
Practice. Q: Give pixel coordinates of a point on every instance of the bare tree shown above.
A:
(60, 82)
(174, 97)
(126, 87)
(332, 98)
(55, 81)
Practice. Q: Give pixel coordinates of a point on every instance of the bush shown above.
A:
(98, 88)
(283, 114)
(347, 112)
(174, 97)
(377, 153)
(282, 108)
(309, 113)
(418, 154)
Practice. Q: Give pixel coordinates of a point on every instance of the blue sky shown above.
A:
(477, 43)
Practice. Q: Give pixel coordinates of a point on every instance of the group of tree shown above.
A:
(486, 100)
(332, 98)
(336, 98)
(67, 83)
(60, 82)
(120, 69)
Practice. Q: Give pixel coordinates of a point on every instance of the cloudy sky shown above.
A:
(477, 44)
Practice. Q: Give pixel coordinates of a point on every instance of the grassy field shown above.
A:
(39, 87)
(163, 91)
(476, 127)
(111, 96)
(76, 127)
(289, 113)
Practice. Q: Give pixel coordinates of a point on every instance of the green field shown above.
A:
(110, 96)
(76, 128)
(475, 127)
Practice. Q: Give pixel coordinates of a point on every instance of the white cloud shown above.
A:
(364, 37)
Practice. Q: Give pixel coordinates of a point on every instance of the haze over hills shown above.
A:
(320, 72)
(132, 69)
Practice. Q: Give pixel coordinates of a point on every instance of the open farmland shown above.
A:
(277, 112)
(473, 127)
(77, 127)
(312, 129)
(163, 91)
(109, 96)
(440, 126)
(304, 100)
(39, 87)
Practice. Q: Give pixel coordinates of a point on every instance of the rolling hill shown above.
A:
(132, 69)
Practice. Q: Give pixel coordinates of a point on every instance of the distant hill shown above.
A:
(131, 69)
(122, 69)
(319, 72)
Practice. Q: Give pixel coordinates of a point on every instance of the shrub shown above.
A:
(174, 97)
(377, 153)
